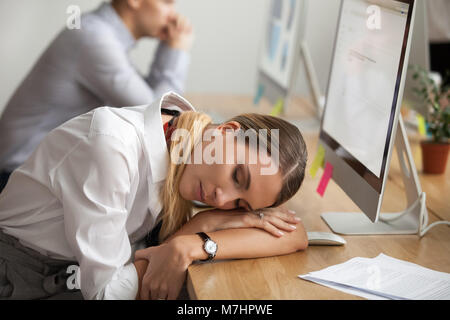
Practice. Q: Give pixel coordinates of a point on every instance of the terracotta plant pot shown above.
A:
(434, 156)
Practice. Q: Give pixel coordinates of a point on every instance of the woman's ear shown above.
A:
(231, 125)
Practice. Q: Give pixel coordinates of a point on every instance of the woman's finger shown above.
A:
(286, 215)
(290, 217)
(141, 254)
(172, 295)
(262, 223)
(280, 224)
(154, 291)
(159, 292)
(145, 289)
(173, 292)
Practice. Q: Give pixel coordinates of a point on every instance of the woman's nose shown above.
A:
(223, 199)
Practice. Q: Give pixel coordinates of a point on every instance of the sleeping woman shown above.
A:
(105, 182)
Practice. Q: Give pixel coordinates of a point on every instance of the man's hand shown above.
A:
(179, 33)
(166, 270)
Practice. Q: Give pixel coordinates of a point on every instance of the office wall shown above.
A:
(224, 56)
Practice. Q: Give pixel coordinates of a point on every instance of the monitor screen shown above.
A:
(364, 82)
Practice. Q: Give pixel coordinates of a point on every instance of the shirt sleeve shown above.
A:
(169, 70)
(123, 286)
(93, 182)
(105, 70)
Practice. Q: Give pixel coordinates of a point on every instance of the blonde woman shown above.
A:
(96, 187)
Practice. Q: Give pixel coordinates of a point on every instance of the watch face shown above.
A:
(210, 247)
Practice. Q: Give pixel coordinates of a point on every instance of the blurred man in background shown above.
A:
(89, 67)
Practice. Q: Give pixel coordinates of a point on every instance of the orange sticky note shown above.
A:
(327, 174)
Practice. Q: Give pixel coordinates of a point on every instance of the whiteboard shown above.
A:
(281, 43)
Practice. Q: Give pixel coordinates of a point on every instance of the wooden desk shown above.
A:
(276, 277)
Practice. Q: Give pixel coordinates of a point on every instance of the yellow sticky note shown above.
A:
(318, 161)
(421, 125)
(278, 108)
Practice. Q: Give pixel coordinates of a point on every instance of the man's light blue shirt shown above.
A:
(83, 69)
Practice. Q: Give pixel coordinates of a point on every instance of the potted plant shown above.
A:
(437, 116)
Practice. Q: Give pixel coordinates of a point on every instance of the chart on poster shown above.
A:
(282, 40)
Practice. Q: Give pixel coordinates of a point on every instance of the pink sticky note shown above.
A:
(327, 174)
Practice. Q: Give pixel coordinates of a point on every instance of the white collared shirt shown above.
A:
(89, 185)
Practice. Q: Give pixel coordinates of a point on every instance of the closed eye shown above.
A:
(236, 182)
(239, 186)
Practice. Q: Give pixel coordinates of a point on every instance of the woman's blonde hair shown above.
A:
(176, 210)
(292, 162)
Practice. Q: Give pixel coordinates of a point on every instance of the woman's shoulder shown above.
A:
(121, 123)
(118, 124)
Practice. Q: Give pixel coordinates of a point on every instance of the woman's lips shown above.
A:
(200, 193)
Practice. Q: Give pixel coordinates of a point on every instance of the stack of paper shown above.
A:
(384, 277)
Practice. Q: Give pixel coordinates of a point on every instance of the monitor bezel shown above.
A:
(374, 181)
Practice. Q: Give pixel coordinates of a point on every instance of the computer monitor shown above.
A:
(419, 56)
(361, 123)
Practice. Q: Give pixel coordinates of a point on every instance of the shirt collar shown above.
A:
(108, 14)
(155, 141)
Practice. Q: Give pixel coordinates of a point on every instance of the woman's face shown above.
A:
(232, 184)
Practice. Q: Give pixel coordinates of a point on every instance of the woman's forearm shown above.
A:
(196, 224)
(247, 243)
(277, 221)
(255, 243)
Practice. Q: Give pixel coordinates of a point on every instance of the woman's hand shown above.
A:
(276, 221)
(166, 270)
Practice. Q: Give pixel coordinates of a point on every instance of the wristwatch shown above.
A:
(209, 246)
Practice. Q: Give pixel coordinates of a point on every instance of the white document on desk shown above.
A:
(384, 277)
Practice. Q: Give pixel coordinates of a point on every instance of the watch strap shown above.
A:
(205, 238)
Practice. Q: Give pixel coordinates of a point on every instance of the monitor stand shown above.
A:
(410, 221)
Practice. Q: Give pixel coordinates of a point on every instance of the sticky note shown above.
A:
(421, 125)
(259, 94)
(278, 108)
(327, 174)
(318, 161)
